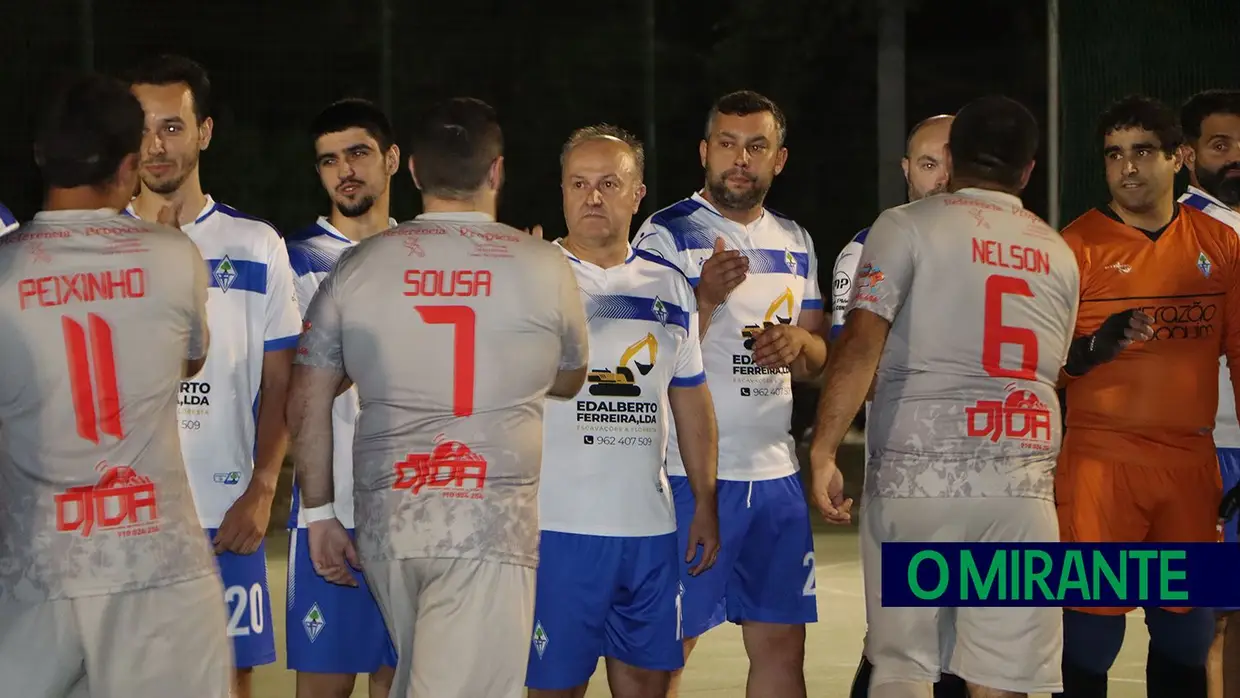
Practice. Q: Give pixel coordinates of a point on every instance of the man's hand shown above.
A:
(1118, 332)
(332, 552)
(245, 524)
(170, 215)
(704, 532)
(828, 489)
(779, 345)
(722, 272)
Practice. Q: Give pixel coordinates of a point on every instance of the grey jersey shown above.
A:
(453, 327)
(982, 297)
(98, 313)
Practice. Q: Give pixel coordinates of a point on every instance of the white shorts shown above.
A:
(1012, 649)
(461, 628)
(153, 643)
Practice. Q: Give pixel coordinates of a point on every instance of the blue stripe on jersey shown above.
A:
(859, 238)
(660, 261)
(618, 307)
(811, 304)
(1197, 201)
(689, 381)
(234, 213)
(776, 262)
(306, 258)
(251, 276)
(687, 233)
(281, 343)
(6, 217)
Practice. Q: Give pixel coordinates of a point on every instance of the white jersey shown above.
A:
(313, 253)
(965, 402)
(250, 310)
(1226, 428)
(753, 404)
(603, 451)
(8, 222)
(843, 280)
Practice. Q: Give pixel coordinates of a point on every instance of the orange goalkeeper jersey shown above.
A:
(1164, 391)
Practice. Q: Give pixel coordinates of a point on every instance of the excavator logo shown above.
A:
(622, 382)
(783, 302)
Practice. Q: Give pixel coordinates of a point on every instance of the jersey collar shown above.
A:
(74, 215)
(629, 254)
(206, 211)
(462, 216)
(991, 195)
(333, 232)
(1208, 197)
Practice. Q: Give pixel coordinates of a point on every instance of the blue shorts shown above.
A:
(331, 629)
(1229, 468)
(249, 605)
(765, 568)
(604, 596)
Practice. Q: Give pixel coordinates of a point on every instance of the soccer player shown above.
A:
(925, 173)
(231, 417)
(761, 319)
(1211, 123)
(8, 222)
(1138, 461)
(454, 328)
(107, 586)
(946, 463)
(608, 574)
(335, 632)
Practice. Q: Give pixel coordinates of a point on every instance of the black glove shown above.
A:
(1086, 353)
(1230, 505)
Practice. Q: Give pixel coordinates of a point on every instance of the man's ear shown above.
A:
(391, 160)
(205, 131)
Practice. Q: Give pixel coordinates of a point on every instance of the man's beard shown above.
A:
(1219, 185)
(736, 201)
(357, 208)
(169, 186)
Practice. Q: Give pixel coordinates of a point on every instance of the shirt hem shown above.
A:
(603, 532)
(743, 477)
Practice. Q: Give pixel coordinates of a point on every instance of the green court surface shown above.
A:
(718, 667)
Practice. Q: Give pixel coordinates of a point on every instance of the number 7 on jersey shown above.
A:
(464, 324)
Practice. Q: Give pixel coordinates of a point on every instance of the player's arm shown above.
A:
(887, 269)
(657, 240)
(1089, 350)
(697, 433)
(574, 339)
(306, 284)
(199, 332)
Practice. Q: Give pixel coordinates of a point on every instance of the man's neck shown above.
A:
(76, 199)
(606, 253)
(1150, 221)
(358, 228)
(189, 195)
(479, 202)
(744, 216)
(957, 184)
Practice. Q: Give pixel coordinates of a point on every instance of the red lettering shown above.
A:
(1015, 257)
(86, 287)
(458, 282)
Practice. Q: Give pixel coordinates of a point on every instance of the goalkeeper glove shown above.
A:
(1088, 352)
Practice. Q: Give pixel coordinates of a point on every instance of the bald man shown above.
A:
(925, 171)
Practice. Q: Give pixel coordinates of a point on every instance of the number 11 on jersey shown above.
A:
(102, 391)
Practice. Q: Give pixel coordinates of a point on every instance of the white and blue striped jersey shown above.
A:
(753, 404)
(603, 450)
(8, 222)
(313, 253)
(843, 278)
(1226, 427)
(250, 310)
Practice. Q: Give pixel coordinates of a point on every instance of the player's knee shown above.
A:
(774, 644)
(314, 685)
(1092, 642)
(1183, 638)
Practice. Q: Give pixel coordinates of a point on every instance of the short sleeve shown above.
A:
(282, 316)
(321, 343)
(689, 368)
(657, 240)
(199, 335)
(8, 222)
(574, 338)
(812, 300)
(843, 281)
(885, 274)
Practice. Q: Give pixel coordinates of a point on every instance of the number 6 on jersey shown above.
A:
(995, 334)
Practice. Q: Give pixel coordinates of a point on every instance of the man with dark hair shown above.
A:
(925, 173)
(941, 467)
(608, 572)
(335, 632)
(231, 418)
(1138, 461)
(454, 328)
(1211, 123)
(107, 586)
(755, 277)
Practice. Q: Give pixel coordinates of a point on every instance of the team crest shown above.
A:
(313, 622)
(540, 639)
(660, 310)
(225, 274)
(1203, 264)
(791, 261)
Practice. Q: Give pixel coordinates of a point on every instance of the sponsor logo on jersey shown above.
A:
(195, 393)
(1119, 267)
(122, 501)
(225, 273)
(784, 302)
(1203, 264)
(1022, 416)
(450, 470)
(622, 382)
(227, 478)
(313, 622)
